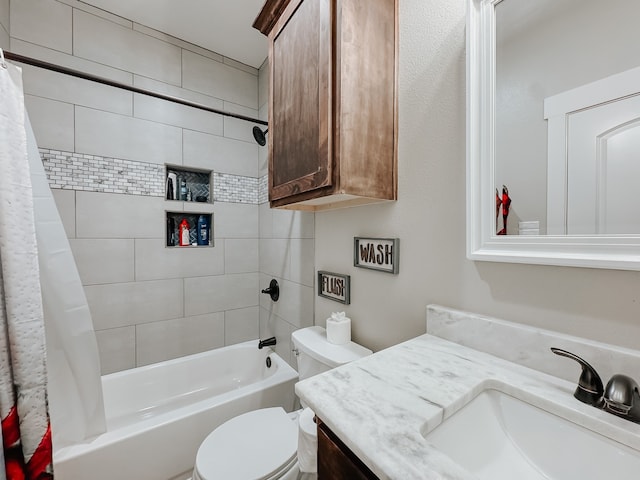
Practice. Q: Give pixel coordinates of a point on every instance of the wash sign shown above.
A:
(377, 253)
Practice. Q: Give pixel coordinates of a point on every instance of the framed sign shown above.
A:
(334, 286)
(377, 253)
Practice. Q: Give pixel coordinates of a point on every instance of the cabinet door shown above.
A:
(336, 461)
(300, 109)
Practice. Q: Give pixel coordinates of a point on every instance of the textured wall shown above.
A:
(105, 150)
(429, 219)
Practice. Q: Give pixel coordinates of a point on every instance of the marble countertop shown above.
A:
(382, 406)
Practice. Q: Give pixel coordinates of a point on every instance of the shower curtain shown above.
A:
(70, 382)
(26, 432)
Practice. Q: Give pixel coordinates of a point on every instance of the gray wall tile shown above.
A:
(156, 261)
(85, 7)
(111, 44)
(241, 325)
(240, 66)
(4, 16)
(295, 304)
(302, 253)
(240, 129)
(159, 341)
(124, 304)
(66, 203)
(5, 41)
(234, 220)
(111, 135)
(271, 325)
(103, 260)
(52, 122)
(117, 349)
(179, 92)
(69, 61)
(45, 22)
(219, 80)
(263, 85)
(157, 110)
(65, 88)
(216, 294)
(105, 215)
(293, 224)
(241, 255)
(177, 42)
(220, 154)
(274, 257)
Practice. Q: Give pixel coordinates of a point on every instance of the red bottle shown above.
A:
(184, 233)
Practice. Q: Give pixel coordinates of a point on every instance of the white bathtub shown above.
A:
(158, 415)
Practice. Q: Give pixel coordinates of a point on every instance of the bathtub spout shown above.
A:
(267, 342)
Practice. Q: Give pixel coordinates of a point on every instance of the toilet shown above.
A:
(262, 444)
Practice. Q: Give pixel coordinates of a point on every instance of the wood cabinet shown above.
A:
(332, 102)
(336, 461)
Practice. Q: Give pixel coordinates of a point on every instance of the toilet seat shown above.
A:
(258, 445)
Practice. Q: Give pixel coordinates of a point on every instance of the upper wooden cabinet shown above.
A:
(332, 102)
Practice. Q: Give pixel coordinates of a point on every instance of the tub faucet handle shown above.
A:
(268, 342)
(590, 388)
(273, 290)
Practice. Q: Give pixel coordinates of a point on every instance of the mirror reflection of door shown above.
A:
(593, 169)
(544, 48)
(603, 162)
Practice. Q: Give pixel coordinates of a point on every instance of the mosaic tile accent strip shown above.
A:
(263, 190)
(235, 188)
(76, 171)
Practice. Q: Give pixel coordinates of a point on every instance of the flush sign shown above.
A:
(335, 287)
(377, 253)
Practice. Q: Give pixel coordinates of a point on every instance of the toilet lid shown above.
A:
(252, 446)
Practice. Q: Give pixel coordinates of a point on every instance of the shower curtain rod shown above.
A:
(94, 78)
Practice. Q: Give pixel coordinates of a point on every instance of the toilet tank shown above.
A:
(316, 355)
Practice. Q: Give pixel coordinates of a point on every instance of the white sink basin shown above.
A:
(497, 436)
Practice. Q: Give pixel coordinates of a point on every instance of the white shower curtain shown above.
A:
(73, 373)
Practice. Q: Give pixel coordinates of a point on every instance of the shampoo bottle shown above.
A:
(184, 233)
(203, 230)
(183, 189)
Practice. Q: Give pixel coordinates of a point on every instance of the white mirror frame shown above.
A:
(620, 252)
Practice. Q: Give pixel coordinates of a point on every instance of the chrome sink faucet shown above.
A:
(620, 397)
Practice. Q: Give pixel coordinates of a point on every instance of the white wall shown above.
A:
(105, 151)
(4, 24)
(429, 219)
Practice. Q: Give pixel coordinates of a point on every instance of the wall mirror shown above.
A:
(553, 129)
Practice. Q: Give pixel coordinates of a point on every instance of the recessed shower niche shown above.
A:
(188, 185)
(189, 215)
(189, 229)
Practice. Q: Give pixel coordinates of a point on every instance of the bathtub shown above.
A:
(158, 415)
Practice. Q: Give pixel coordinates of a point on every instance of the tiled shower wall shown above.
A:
(4, 24)
(104, 151)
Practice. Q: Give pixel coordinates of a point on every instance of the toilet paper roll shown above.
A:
(307, 442)
(338, 329)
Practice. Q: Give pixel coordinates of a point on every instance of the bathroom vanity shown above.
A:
(395, 409)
